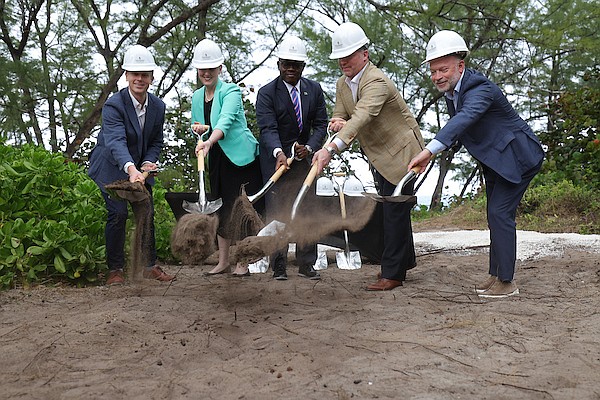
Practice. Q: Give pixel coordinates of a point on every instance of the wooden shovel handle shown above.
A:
(343, 203)
(311, 175)
(201, 161)
(281, 170)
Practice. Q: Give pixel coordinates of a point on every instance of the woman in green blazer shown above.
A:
(231, 149)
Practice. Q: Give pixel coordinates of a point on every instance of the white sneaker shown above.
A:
(500, 289)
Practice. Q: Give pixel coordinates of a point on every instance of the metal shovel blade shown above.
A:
(396, 196)
(348, 259)
(403, 198)
(274, 178)
(304, 189)
(202, 206)
(207, 207)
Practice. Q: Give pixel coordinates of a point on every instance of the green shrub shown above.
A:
(164, 223)
(560, 206)
(51, 219)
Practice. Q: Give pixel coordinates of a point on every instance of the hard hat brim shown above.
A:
(139, 67)
(208, 65)
(345, 52)
(291, 57)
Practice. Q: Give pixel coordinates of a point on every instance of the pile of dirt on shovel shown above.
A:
(309, 227)
(126, 185)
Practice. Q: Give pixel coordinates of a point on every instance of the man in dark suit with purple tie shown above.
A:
(291, 114)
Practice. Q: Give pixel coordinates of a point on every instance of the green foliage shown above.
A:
(51, 219)
(574, 142)
(164, 223)
(560, 206)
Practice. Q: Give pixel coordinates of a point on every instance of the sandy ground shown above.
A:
(225, 337)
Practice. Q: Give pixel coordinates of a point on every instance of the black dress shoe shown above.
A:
(279, 272)
(307, 271)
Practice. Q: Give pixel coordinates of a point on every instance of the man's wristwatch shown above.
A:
(330, 150)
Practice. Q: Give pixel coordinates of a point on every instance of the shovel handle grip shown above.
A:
(278, 174)
(201, 161)
(281, 170)
(205, 127)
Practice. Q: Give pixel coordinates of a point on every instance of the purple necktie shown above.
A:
(296, 103)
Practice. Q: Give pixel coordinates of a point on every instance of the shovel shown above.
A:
(134, 192)
(274, 178)
(396, 196)
(346, 259)
(307, 182)
(203, 206)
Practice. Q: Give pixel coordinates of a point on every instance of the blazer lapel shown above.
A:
(305, 100)
(215, 109)
(150, 117)
(130, 109)
(201, 107)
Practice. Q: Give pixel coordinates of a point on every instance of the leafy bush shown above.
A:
(164, 223)
(51, 219)
(573, 142)
(561, 206)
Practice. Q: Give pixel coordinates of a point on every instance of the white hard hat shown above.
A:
(207, 54)
(353, 186)
(138, 58)
(445, 43)
(346, 39)
(292, 48)
(324, 187)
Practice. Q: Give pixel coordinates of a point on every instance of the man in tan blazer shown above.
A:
(370, 109)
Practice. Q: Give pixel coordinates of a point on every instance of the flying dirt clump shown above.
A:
(245, 220)
(193, 238)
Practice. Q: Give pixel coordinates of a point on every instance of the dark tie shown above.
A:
(297, 110)
(451, 109)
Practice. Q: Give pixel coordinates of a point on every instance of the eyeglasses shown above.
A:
(285, 64)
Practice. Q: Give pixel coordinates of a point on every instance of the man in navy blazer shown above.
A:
(482, 120)
(129, 143)
(285, 124)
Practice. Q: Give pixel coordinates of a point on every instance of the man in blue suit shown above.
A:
(290, 111)
(482, 120)
(129, 143)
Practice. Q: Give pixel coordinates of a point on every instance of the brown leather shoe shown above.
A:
(384, 284)
(115, 277)
(157, 273)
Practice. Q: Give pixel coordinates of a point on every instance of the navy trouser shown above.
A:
(503, 198)
(115, 231)
(398, 245)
